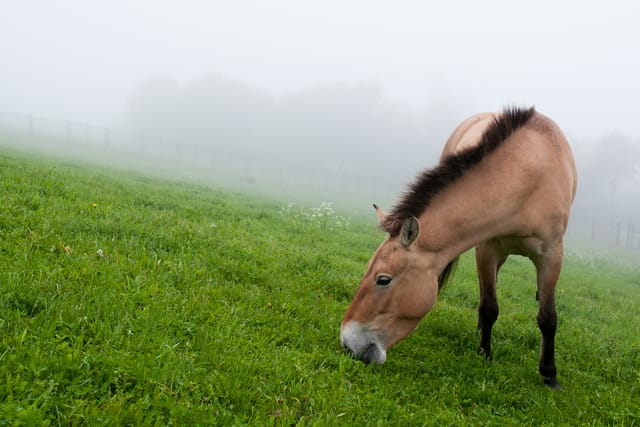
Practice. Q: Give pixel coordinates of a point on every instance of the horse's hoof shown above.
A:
(553, 383)
(487, 354)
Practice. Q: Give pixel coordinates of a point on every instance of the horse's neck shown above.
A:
(469, 212)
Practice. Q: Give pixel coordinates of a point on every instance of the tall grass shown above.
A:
(129, 300)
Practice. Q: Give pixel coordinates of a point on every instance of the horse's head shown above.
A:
(398, 289)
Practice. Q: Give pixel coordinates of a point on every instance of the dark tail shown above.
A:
(446, 274)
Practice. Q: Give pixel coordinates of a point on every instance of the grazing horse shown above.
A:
(504, 185)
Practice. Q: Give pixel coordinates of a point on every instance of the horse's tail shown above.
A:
(446, 274)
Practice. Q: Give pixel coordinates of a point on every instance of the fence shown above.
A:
(69, 131)
(612, 232)
(356, 189)
(200, 159)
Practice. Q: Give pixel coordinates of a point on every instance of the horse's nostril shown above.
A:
(369, 354)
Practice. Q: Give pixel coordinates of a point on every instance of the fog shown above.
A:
(349, 96)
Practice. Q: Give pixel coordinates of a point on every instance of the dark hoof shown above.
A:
(553, 383)
(487, 354)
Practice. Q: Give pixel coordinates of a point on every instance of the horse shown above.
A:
(504, 184)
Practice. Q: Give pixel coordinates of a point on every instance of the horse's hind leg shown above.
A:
(488, 263)
(548, 268)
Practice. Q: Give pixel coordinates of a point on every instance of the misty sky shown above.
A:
(577, 61)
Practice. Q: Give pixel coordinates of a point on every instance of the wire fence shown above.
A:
(70, 131)
(611, 232)
(243, 165)
(249, 169)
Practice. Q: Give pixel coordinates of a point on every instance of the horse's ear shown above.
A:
(380, 213)
(409, 231)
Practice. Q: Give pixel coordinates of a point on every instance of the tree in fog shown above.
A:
(212, 112)
(153, 106)
(225, 114)
(342, 131)
(617, 159)
(352, 128)
(334, 123)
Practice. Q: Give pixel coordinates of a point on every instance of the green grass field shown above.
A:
(131, 300)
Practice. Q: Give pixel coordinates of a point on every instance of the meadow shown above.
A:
(127, 299)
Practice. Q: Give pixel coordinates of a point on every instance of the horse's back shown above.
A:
(468, 133)
(534, 168)
(540, 144)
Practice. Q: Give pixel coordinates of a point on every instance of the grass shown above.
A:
(130, 300)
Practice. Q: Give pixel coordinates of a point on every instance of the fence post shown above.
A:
(30, 124)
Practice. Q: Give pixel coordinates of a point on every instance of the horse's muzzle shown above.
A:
(360, 343)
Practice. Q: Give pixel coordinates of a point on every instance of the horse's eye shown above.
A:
(383, 280)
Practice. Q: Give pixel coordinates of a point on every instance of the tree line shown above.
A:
(350, 128)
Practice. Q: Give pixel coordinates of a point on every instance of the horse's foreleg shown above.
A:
(548, 269)
(488, 263)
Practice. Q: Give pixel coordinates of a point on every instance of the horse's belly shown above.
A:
(516, 245)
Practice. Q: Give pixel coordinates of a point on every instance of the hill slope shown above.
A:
(131, 300)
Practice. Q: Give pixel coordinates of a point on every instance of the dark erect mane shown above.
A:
(431, 182)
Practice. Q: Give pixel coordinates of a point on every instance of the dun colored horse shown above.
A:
(504, 185)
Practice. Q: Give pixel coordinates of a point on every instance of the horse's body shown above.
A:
(504, 184)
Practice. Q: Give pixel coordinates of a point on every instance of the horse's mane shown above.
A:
(432, 181)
